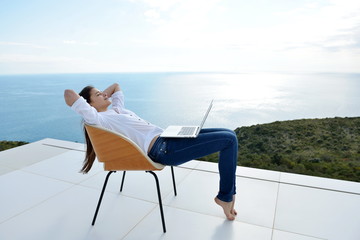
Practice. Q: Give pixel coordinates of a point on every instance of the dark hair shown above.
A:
(90, 153)
(85, 93)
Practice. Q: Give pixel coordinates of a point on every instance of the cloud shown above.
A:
(152, 13)
(330, 26)
(162, 5)
(30, 45)
(27, 58)
(179, 23)
(73, 42)
(154, 16)
(69, 42)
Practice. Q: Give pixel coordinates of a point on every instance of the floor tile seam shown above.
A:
(216, 216)
(29, 163)
(282, 182)
(142, 219)
(88, 176)
(49, 177)
(198, 162)
(58, 179)
(178, 183)
(62, 147)
(122, 193)
(156, 202)
(164, 196)
(191, 168)
(37, 204)
(316, 187)
(187, 210)
(320, 188)
(98, 190)
(1, 174)
(6, 166)
(192, 211)
(19, 167)
(237, 175)
(301, 234)
(275, 211)
(118, 193)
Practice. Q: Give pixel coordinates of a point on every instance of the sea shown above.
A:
(32, 107)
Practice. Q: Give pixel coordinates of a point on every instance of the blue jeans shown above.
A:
(175, 151)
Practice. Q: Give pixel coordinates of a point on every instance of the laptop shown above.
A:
(186, 131)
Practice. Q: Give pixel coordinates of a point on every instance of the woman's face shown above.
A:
(99, 100)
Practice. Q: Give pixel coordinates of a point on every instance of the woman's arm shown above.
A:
(81, 107)
(112, 89)
(70, 97)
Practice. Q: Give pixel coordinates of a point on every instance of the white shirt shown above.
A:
(120, 120)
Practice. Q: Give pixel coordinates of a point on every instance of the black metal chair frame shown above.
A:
(121, 188)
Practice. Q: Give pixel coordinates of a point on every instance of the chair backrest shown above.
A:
(118, 152)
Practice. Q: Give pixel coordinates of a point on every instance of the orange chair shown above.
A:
(119, 153)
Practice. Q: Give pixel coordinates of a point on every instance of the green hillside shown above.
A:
(10, 144)
(320, 147)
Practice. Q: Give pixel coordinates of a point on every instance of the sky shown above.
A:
(83, 36)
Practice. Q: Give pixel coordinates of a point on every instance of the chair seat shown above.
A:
(119, 153)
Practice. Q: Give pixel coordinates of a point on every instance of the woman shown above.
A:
(93, 106)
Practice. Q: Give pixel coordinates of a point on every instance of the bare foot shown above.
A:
(227, 207)
(233, 211)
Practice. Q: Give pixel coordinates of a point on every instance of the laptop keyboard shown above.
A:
(187, 130)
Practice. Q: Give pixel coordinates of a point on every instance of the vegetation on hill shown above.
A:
(10, 144)
(319, 147)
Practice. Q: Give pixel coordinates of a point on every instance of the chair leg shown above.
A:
(122, 181)
(173, 178)
(159, 196)
(101, 196)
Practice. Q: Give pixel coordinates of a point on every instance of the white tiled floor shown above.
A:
(44, 197)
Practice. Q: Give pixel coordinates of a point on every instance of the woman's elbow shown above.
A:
(116, 87)
(70, 97)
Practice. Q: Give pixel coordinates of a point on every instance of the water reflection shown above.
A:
(247, 99)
